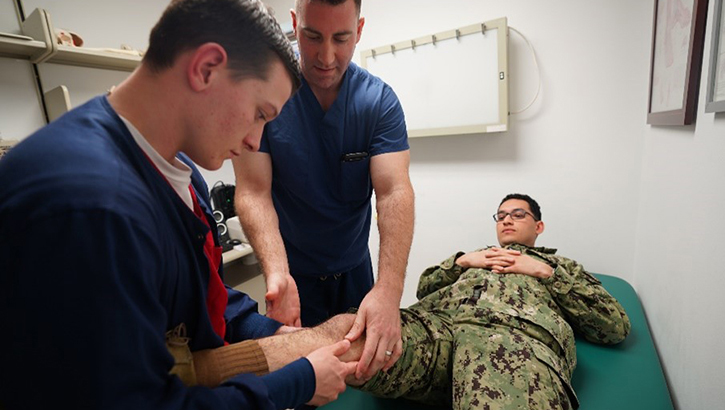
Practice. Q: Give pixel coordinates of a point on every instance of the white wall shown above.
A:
(679, 241)
(621, 197)
(577, 150)
(101, 24)
(21, 112)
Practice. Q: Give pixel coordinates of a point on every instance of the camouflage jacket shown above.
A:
(545, 309)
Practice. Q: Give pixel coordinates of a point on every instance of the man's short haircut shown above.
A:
(358, 4)
(532, 203)
(246, 30)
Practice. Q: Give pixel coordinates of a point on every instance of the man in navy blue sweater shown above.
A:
(109, 256)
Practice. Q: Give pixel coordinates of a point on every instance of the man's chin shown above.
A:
(505, 241)
(324, 82)
(210, 165)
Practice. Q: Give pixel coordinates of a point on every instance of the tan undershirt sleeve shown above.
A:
(213, 366)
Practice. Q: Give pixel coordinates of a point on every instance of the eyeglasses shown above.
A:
(517, 215)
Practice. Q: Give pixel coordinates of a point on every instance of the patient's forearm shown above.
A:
(213, 366)
(284, 349)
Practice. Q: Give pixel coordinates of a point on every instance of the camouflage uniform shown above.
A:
(482, 340)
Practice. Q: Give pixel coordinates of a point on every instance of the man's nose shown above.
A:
(327, 53)
(252, 141)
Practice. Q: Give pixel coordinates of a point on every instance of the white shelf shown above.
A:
(43, 48)
(78, 56)
(57, 102)
(237, 252)
(21, 49)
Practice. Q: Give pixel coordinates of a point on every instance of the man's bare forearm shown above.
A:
(261, 226)
(396, 216)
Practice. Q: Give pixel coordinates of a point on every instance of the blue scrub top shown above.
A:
(322, 201)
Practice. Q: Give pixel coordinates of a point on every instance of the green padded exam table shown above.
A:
(620, 377)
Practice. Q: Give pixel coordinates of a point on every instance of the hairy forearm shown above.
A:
(396, 216)
(283, 349)
(261, 226)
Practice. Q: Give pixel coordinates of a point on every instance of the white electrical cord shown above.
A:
(538, 71)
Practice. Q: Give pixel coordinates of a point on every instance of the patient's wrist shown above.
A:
(546, 271)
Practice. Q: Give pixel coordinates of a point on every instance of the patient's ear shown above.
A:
(539, 227)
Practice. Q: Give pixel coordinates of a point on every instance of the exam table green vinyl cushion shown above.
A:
(620, 377)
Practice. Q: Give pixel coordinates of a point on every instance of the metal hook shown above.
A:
(374, 54)
(458, 34)
(412, 44)
(483, 29)
(434, 39)
(392, 49)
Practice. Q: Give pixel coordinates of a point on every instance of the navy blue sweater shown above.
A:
(99, 257)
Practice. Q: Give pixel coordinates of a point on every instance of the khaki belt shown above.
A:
(178, 345)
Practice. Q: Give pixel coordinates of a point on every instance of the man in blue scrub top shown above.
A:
(305, 198)
(109, 255)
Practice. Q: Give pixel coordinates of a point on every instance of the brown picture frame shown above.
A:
(674, 70)
(716, 79)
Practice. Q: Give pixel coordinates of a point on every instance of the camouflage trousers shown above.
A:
(468, 366)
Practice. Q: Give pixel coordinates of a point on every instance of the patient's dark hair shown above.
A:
(532, 203)
(245, 29)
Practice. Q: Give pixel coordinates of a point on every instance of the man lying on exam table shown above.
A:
(496, 322)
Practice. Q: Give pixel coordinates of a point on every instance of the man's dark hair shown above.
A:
(358, 4)
(248, 32)
(532, 203)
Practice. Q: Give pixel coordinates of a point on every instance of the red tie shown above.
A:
(216, 295)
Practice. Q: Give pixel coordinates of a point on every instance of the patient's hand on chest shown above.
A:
(499, 260)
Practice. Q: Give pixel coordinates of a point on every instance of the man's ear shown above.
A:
(205, 65)
(293, 14)
(360, 25)
(539, 227)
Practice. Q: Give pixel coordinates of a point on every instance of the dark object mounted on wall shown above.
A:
(221, 226)
(222, 196)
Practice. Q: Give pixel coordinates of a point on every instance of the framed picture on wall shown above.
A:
(716, 77)
(678, 34)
